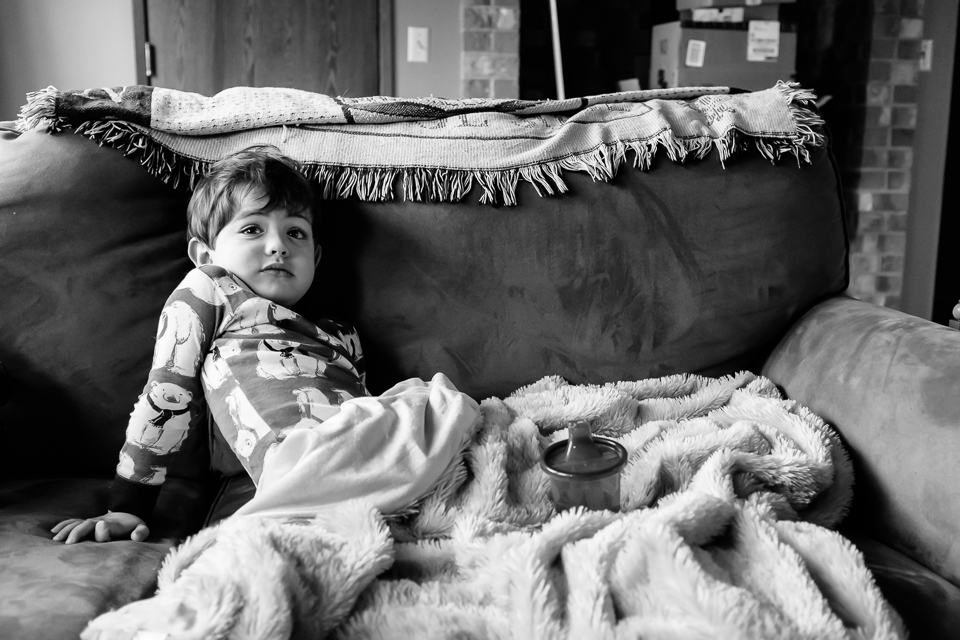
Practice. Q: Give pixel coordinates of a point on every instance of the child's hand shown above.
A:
(104, 528)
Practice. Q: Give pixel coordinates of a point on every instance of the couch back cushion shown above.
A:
(685, 268)
(90, 246)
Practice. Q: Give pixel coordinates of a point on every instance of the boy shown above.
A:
(228, 340)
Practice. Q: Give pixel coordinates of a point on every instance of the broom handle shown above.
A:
(557, 61)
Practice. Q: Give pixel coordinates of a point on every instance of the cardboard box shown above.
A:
(727, 15)
(706, 4)
(685, 57)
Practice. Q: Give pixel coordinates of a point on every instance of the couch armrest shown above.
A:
(888, 382)
(928, 604)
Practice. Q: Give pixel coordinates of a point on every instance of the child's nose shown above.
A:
(276, 244)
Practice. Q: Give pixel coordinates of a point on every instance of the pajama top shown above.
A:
(259, 368)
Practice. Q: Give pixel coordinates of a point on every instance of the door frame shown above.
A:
(930, 265)
(385, 73)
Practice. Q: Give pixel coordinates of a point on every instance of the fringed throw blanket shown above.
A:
(430, 148)
(724, 532)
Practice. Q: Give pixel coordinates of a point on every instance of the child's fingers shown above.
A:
(67, 529)
(101, 532)
(60, 525)
(81, 531)
(61, 530)
(75, 530)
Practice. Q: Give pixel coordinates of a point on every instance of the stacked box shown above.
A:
(707, 4)
(736, 43)
(728, 15)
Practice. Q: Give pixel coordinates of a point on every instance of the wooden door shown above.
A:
(336, 47)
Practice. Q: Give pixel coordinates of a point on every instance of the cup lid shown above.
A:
(583, 456)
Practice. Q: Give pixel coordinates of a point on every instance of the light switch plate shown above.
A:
(418, 44)
(926, 55)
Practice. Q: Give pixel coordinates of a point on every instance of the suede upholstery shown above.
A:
(928, 604)
(608, 282)
(890, 380)
(685, 268)
(88, 240)
(49, 590)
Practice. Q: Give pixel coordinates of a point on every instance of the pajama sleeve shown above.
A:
(348, 342)
(171, 407)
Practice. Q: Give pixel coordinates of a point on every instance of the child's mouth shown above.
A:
(276, 270)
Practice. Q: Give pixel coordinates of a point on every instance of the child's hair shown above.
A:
(217, 197)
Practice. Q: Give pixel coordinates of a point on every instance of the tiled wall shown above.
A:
(878, 181)
(490, 61)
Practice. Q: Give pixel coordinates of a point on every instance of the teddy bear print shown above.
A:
(211, 291)
(351, 342)
(259, 315)
(126, 469)
(328, 337)
(282, 360)
(160, 418)
(215, 366)
(250, 426)
(316, 406)
(227, 285)
(338, 360)
(178, 340)
(245, 443)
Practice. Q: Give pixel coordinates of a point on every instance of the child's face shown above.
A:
(273, 253)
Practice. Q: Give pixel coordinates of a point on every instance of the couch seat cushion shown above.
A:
(928, 604)
(235, 492)
(49, 590)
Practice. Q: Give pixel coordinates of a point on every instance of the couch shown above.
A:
(687, 267)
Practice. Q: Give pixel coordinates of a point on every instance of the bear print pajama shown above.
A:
(260, 368)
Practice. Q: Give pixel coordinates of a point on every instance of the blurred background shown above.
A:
(884, 71)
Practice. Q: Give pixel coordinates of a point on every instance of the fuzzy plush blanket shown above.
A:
(724, 532)
(430, 148)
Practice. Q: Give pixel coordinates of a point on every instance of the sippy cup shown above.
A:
(584, 470)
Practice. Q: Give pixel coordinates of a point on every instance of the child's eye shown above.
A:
(299, 234)
(250, 230)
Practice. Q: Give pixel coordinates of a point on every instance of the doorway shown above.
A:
(335, 47)
(946, 290)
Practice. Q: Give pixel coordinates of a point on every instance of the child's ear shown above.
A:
(317, 250)
(198, 252)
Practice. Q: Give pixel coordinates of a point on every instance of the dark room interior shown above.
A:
(506, 319)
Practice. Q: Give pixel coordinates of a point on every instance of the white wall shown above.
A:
(440, 75)
(70, 44)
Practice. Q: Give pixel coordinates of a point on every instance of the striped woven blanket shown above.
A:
(431, 148)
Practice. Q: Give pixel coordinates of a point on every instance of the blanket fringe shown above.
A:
(436, 184)
(40, 109)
